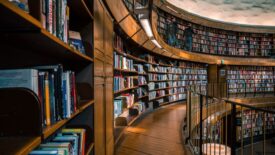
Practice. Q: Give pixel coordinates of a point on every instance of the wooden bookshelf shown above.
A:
(29, 44)
(49, 130)
(216, 41)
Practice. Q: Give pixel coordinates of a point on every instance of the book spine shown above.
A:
(42, 96)
(52, 98)
(68, 91)
(64, 95)
(47, 100)
(49, 15)
(54, 16)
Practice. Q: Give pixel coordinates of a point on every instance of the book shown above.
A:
(76, 41)
(15, 78)
(62, 147)
(44, 152)
(72, 139)
(81, 133)
(22, 4)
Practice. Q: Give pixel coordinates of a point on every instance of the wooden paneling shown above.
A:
(108, 68)
(104, 137)
(109, 116)
(108, 36)
(99, 67)
(98, 25)
(99, 115)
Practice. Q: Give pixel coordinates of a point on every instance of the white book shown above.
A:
(67, 87)
(15, 78)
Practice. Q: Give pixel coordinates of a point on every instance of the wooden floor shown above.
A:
(159, 133)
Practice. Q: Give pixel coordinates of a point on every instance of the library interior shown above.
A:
(137, 77)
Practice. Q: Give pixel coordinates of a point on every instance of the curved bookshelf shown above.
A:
(218, 41)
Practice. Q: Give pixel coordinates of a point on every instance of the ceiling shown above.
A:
(251, 12)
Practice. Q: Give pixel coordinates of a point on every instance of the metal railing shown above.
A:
(218, 125)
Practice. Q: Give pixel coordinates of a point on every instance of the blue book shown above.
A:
(15, 78)
(44, 152)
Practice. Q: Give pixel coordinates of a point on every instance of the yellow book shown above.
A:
(47, 100)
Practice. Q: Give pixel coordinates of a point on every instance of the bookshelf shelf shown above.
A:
(18, 145)
(159, 97)
(143, 97)
(142, 73)
(160, 80)
(161, 89)
(158, 64)
(49, 130)
(125, 70)
(124, 90)
(129, 56)
(143, 85)
(16, 18)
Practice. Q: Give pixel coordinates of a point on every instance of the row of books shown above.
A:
(121, 62)
(118, 43)
(250, 85)
(251, 90)
(139, 68)
(55, 18)
(142, 80)
(176, 97)
(141, 92)
(55, 88)
(69, 141)
(124, 82)
(122, 103)
(157, 85)
(205, 38)
(251, 76)
(255, 122)
(157, 77)
(155, 94)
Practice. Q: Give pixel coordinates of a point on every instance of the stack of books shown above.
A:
(67, 142)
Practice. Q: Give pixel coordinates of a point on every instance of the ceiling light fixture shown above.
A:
(146, 26)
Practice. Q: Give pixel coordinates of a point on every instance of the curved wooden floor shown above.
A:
(158, 133)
